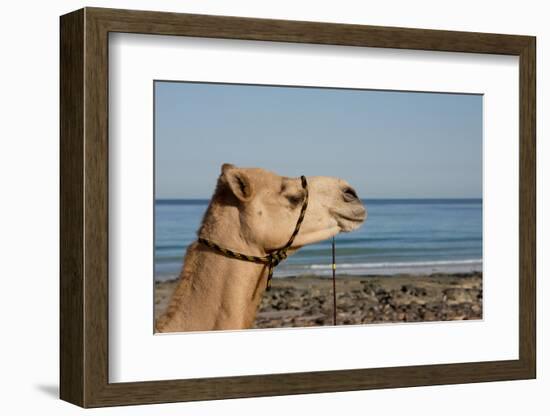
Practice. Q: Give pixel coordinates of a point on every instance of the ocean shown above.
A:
(419, 236)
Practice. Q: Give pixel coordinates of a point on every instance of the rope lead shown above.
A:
(333, 281)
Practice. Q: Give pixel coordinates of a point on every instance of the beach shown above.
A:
(306, 301)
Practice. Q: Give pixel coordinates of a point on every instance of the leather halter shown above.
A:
(272, 259)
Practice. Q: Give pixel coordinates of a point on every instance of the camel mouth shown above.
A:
(348, 222)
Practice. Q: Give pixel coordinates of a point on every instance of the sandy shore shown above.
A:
(307, 300)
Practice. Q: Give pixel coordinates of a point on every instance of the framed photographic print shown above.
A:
(255, 207)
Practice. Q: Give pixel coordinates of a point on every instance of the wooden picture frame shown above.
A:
(84, 207)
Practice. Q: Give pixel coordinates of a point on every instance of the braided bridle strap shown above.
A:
(273, 259)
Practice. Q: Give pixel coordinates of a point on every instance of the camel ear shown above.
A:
(239, 183)
(226, 167)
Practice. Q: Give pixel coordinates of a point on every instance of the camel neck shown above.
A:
(214, 292)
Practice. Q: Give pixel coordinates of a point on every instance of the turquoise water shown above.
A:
(399, 236)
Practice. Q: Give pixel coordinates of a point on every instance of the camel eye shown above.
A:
(294, 199)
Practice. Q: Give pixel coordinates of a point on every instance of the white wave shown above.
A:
(384, 268)
(396, 264)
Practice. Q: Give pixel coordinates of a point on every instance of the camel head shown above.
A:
(264, 207)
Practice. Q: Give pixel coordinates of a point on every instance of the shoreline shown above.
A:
(352, 270)
(305, 301)
(389, 269)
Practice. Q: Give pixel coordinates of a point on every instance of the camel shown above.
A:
(252, 211)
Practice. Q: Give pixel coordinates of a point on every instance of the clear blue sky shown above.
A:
(386, 144)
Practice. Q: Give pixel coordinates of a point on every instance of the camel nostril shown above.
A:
(350, 195)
